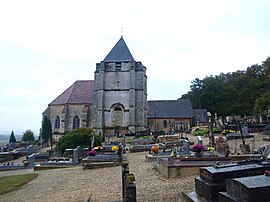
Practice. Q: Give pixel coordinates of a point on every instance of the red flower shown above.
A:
(267, 172)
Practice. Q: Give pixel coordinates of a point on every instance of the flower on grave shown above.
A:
(267, 173)
(210, 149)
(92, 153)
(174, 153)
(154, 149)
(98, 148)
(114, 148)
(198, 148)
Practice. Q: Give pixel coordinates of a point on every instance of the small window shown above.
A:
(165, 124)
(57, 123)
(76, 122)
(118, 66)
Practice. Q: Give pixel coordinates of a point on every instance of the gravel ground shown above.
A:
(76, 184)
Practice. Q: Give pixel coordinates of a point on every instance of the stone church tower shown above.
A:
(120, 93)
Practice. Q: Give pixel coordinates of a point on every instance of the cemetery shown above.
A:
(210, 172)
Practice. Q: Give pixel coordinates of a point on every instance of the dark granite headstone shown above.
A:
(212, 179)
(247, 189)
(221, 173)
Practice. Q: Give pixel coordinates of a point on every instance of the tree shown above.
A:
(79, 137)
(262, 103)
(46, 131)
(12, 138)
(241, 92)
(28, 136)
(196, 87)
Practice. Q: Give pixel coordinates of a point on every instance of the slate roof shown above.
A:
(80, 92)
(180, 108)
(119, 53)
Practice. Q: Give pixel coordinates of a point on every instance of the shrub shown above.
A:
(79, 137)
(201, 132)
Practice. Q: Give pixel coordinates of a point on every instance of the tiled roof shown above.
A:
(180, 108)
(119, 53)
(80, 92)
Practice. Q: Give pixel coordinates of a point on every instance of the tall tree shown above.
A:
(196, 87)
(28, 136)
(12, 138)
(46, 131)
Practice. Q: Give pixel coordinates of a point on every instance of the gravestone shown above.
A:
(245, 130)
(222, 146)
(186, 147)
(247, 189)
(124, 140)
(266, 152)
(31, 160)
(76, 155)
(200, 140)
(212, 179)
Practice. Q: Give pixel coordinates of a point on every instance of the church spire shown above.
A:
(119, 53)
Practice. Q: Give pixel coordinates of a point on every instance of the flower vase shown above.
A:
(199, 154)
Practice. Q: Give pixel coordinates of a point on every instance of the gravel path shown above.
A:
(75, 184)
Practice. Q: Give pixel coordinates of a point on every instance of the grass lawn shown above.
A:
(10, 183)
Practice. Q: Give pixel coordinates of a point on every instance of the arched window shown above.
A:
(57, 122)
(76, 122)
(165, 124)
(117, 115)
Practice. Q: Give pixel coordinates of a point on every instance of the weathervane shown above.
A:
(121, 31)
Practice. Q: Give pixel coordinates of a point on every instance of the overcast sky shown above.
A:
(45, 46)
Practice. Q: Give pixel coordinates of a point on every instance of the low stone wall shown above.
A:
(14, 167)
(49, 167)
(95, 165)
(169, 138)
(175, 172)
(180, 167)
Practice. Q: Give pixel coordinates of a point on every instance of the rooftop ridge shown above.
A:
(119, 53)
(69, 96)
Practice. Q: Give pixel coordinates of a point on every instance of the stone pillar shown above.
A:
(125, 171)
(130, 195)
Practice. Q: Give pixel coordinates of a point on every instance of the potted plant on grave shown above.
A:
(154, 149)
(92, 153)
(114, 148)
(174, 153)
(198, 149)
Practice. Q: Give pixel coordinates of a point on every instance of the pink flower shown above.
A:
(198, 148)
(92, 153)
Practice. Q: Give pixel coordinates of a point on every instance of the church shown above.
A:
(115, 102)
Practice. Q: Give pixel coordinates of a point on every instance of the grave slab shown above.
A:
(249, 189)
(212, 179)
(219, 174)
